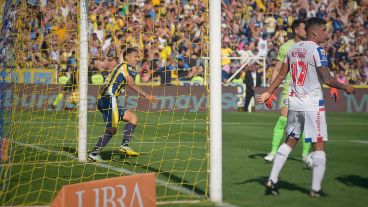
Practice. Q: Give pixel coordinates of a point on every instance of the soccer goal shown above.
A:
(49, 119)
(238, 68)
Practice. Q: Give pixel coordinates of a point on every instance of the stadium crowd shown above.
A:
(172, 36)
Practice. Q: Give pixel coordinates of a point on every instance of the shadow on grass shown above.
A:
(70, 150)
(257, 156)
(181, 182)
(354, 180)
(105, 155)
(281, 184)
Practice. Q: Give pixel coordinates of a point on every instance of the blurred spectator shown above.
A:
(183, 69)
(163, 30)
(226, 62)
(145, 71)
(341, 77)
(166, 71)
(197, 80)
(262, 46)
(362, 81)
(252, 79)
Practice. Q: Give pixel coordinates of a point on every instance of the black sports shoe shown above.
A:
(271, 188)
(74, 107)
(52, 106)
(317, 194)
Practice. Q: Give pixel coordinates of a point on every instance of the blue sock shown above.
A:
(102, 142)
(128, 132)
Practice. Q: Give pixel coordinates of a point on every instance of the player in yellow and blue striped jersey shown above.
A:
(122, 75)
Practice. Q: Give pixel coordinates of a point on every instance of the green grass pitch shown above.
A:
(174, 146)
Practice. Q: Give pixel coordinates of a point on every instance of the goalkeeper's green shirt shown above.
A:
(284, 48)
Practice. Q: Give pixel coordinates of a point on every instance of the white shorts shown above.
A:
(312, 123)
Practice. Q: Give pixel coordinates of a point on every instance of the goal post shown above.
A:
(215, 187)
(246, 62)
(83, 83)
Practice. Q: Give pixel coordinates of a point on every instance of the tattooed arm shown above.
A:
(326, 78)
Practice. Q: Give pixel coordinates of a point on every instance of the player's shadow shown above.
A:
(257, 156)
(354, 180)
(105, 155)
(281, 184)
(116, 156)
(181, 181)
(111, 155)
(70, 150)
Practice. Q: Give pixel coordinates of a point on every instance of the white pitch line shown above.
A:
(178, 202)
(223, 204)
(192, 202)
(116, 169)
(45, 150)
(360, 141)
(33, 163)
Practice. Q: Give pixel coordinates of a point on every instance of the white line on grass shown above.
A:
(360, 141)
(33, 163)
(116, 169)
(192, 202)
(178, 202)
(225, 205)
(45, 150)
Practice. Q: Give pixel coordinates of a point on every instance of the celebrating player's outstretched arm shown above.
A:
(326, 78)
(131, 84)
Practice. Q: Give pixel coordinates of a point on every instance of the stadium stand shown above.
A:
(169, 31)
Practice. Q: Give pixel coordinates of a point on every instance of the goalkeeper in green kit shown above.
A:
(298, 29)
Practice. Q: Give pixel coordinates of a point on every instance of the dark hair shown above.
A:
(296, 23)
(314, 21)
(129, 50)
(290, 35)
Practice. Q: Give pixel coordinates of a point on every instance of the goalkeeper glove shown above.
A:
(270, 101)
(334, 94)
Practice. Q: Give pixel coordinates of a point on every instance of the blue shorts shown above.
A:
(110, 110)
